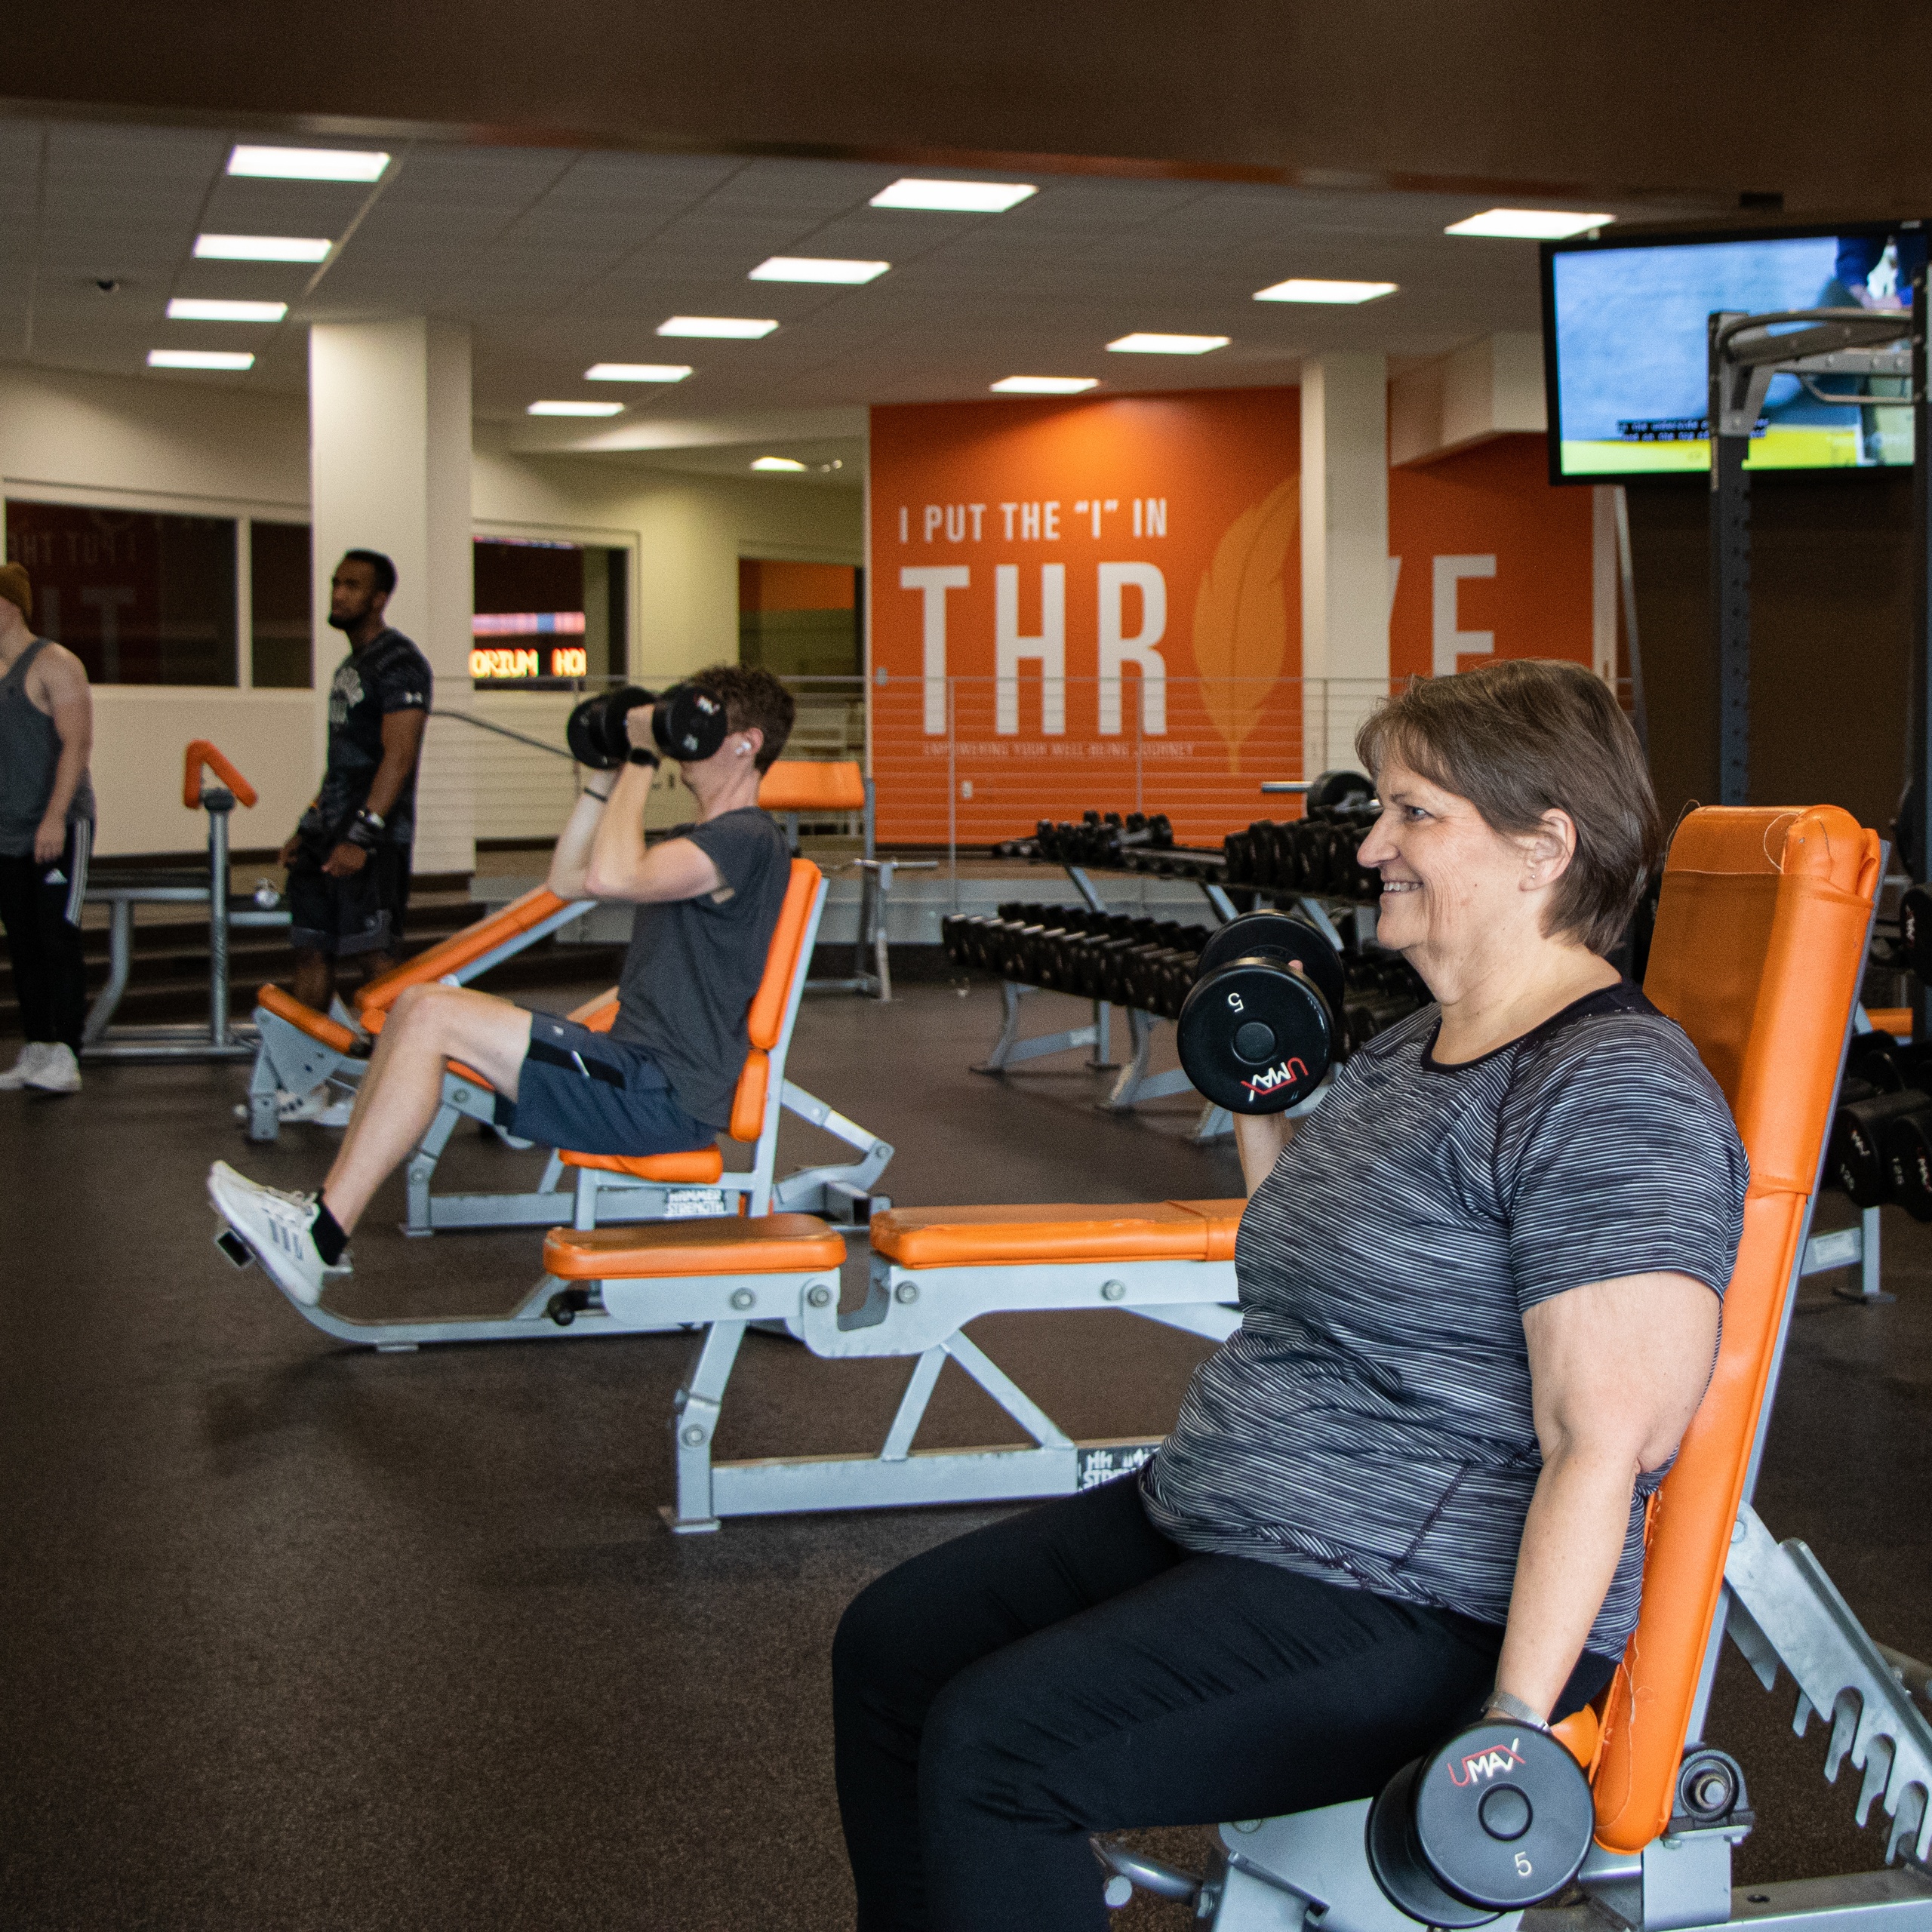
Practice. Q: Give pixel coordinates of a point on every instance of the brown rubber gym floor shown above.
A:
(296, 1636)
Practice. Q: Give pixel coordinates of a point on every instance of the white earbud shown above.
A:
(744, 751)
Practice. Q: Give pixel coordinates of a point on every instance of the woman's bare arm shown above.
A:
(1617, 1369)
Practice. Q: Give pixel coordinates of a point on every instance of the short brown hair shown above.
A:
(754, 701)
(1525, 736)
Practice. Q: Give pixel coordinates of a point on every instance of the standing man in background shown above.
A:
(46, 835)
(349, 861)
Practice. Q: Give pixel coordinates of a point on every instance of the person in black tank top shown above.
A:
(46, 836)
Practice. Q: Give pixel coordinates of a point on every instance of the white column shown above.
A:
(389, 456)
(1345, 586)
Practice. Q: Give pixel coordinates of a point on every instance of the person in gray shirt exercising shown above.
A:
(661, 1081)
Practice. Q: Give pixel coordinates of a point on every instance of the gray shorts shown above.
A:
(589, 1093)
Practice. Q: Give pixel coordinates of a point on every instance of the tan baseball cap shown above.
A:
(17, 587)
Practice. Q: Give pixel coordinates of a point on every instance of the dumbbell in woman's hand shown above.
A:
(1497, 1819)
(597, 733)
(1261, 1025)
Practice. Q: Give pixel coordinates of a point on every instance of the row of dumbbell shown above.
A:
(1318, 854)
(1101, 838)
(1127, 961)
(1880, 1147)
(1149, 964)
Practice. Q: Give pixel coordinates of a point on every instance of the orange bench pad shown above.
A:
(805, 785)
(701, 1165)
(460, 949)
(770, 1244)
(1049, 1232)
(317, 1025)
(1223, 1219)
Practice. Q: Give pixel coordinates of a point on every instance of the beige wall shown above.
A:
(195, 447)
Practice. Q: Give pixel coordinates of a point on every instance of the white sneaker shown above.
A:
(59, 1072)
(33, 1057)
(275, 1226)
(312, 1109)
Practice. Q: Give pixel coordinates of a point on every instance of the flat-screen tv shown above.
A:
(1625, 323)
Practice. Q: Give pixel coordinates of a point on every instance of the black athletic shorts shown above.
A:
(591, 1094)
(346, 917)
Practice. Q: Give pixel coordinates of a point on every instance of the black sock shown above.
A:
(326, 1231)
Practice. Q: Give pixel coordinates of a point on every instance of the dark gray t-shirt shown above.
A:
(694, 964)
(1370, 1422)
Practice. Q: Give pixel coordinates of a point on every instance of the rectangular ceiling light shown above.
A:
(817, 268)
(720, 328)
(1529, 224)
(955, 197)
(776, 462)
(199, 358)
(261, 248)
(192, 308)
(637, 372)
(576, 409)
(1045, 385)
(308, 164)
(1300, 289)
(1145, 343)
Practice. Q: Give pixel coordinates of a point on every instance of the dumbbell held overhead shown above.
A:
(687, 724)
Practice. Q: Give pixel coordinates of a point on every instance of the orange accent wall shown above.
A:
(765, 586)
(1495, 500)
(1154, 483)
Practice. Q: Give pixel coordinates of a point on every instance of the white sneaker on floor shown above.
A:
(59, 1072)
(33, 1057)
(276, 1227)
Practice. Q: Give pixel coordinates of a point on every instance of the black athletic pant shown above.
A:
(40, 907)
(1071, 1671)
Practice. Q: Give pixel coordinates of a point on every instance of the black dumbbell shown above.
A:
(594, 731)
(1908, 1152)
(1855, 1157)
(1255, 1036)
(1915, 930)
(688, 723)
(1494, 1820)
(1877, 1059)
(1334, 789)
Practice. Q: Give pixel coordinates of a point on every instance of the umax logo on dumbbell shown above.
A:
(1480, 1764)
(1286, 1074)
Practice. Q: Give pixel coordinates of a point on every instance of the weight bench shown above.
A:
(1760, 938)
(300, 1048)
(611, 1187)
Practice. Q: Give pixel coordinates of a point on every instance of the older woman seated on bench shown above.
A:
(1480, 1294)
(661, 1080)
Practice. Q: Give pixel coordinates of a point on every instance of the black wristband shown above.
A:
(640, 756)
(602, 798)
(366, 831)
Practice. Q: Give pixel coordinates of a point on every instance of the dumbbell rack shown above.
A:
(1134, 1084)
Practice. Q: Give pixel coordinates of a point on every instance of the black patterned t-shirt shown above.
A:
(1370, 1422)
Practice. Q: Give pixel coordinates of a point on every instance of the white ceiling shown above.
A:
(558, 260)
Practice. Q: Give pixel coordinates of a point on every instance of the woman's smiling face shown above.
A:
(1450, 882)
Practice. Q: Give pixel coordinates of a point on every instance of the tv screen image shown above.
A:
(1624, 334)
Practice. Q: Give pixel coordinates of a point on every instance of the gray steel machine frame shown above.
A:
(122, 892)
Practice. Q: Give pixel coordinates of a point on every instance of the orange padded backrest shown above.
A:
(768, 1008)
(1758, 950)
(599, 1014)
(766, 1019)
(799, 785)
(460, 949)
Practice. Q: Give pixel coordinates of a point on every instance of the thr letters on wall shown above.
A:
(1098, 602)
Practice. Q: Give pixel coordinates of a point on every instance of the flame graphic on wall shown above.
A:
(1241, 623)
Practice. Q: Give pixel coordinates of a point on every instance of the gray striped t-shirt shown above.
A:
(1370, 1422)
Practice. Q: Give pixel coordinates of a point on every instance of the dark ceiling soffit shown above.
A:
(1691, 203)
